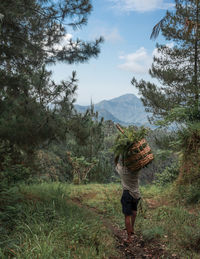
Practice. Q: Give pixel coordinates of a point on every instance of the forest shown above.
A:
(59, 190)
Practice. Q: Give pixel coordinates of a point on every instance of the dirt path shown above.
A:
(137, 249)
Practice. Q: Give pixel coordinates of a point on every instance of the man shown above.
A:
(130, 196)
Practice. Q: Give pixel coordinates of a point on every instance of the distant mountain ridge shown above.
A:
(127, 109)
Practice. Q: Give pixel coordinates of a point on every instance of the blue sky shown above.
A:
(127, 51)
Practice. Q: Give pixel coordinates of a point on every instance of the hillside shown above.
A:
(126, 109)
(60, 220)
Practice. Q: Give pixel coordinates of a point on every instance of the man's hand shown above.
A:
(119, 168)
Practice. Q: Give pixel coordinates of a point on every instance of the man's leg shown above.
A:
(129, 226)
(133, 217)
(129, 208)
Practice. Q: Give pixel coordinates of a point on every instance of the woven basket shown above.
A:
(139, 156)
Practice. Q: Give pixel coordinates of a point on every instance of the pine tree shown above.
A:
(87, 130)
(177, 98)
(33, 108)
(176, 67)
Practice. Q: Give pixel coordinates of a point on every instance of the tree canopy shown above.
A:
(176, 97)
(176, 65)
(33, 108)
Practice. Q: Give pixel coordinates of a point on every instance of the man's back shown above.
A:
(129, 180)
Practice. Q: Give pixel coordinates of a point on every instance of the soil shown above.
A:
(137, 248)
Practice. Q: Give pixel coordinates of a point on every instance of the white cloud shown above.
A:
(137, 62)
(110, 34)
(141, 5)
(64, 42)
(159, 54)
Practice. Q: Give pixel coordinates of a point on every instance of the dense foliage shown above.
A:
(175, 101)
(34, 110)
(176, 65)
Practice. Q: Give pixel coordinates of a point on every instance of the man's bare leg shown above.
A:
(129, 226)
(133, 217)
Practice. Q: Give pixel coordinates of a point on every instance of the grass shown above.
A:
(104, 197)
(50, 225)
(162, 215)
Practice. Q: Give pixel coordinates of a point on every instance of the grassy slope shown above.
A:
(49, 225)
(160, 217)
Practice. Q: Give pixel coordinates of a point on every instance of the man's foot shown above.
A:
(129, 239)
(132, 233)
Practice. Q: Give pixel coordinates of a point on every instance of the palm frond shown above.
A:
(157, 28)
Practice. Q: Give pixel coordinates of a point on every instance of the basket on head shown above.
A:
(139, 155)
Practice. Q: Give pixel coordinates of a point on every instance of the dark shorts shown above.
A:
(128, 203)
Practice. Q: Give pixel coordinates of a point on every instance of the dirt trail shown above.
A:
(137, 249)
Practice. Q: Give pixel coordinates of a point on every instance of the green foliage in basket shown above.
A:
(123, 142)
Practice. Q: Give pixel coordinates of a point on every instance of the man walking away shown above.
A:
(130, 196)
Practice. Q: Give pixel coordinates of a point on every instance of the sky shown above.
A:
(127, 50)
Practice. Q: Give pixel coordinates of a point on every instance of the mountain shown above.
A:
(126, 109)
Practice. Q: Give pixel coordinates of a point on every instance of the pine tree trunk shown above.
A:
(196, 57)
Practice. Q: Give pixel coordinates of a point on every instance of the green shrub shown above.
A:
(169, 175)
(49, 166)
(188, 194)
(10, 210)
(193, 194)
(14, 165)
(13, 174)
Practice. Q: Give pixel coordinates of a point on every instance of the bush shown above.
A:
(49, 166)
(190, 194)
(10, 210)
(14, 166)
(193, 194)
(14, 174)
(189, 142)
(169, 175)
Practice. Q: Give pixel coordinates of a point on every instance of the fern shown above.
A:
(124, 142)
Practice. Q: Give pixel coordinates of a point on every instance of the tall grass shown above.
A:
(104, 197)
(50, 226)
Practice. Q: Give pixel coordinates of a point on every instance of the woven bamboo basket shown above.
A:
(140, 155)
